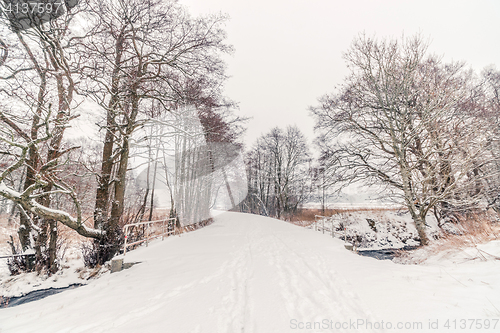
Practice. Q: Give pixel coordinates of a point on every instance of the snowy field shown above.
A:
(248, 273)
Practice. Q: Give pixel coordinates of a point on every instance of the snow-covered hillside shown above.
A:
(376, 228)
(247, 273)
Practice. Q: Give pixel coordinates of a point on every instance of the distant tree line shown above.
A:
(278, 171)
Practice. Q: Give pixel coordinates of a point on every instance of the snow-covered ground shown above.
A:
(72, 267)
(372, 229)
(248, 273)
(72, 272)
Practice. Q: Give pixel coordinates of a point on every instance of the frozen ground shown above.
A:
(247, 273)
(72, 272)
(376, 228)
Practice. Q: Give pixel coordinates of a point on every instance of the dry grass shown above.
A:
(472, 231)
(306, 217)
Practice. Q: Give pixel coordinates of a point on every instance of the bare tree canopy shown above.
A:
(405, 121)
(278, 173)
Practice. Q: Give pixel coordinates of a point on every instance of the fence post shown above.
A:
(163, 230)
(332, 228)
(147, 235)
(323, 220)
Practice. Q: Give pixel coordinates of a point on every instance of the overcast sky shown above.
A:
(288, 53)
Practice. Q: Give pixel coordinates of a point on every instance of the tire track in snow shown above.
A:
(236, 311)
(306, 286)
(314, 293)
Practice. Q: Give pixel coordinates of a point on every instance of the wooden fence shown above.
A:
(148, 229)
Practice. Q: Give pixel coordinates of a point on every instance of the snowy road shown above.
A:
(247, 273)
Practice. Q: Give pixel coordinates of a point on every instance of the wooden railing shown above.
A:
(332, 228)
(149, 236)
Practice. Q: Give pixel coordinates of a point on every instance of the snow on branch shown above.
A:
(29, 204)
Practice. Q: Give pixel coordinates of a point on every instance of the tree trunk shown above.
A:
(151, 207)
(410, 203)
(33, 161)
(420, 225)
(104, 180)
(52, 265)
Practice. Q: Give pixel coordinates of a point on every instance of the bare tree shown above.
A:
(144, 51)
(402, 121)
(38, 90)
(278, 172)
(196, 173)
(488, 96)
